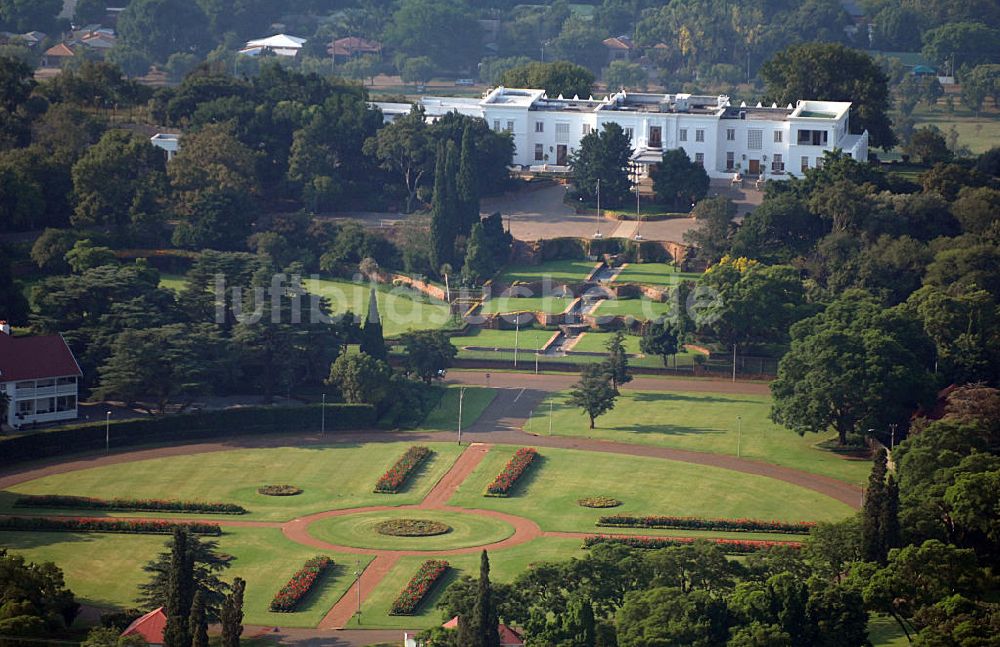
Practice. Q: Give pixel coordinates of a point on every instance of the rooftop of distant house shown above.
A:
(34, 358)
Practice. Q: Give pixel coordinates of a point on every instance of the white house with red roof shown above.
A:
(508, 637)
(39, 374)
(149, 626)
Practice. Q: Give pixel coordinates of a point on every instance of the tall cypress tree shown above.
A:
(372, 341)
(232, 614)
(467, 183)
(442, 226)
(872, 547)
(485, 619)
(198, 621)
(889, 522)
(180, 591)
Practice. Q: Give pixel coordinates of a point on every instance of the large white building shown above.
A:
(39, 376)
(756, 141)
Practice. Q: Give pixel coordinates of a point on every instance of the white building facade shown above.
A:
(40, 377)
(761, 142)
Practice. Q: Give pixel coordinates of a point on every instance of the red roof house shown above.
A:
(149, 626)
(353, 46)
(508, 637)
(39, 375)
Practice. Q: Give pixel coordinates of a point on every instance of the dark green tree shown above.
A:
(616, 363)
(481, 628)
(480, 263)
(660, 338)
(232, 614)
(372, 342)
(715, 234)
(416, 28)
(557, 78)
(361, 378)
(833, 72)
(208, 564)
(428, 353)
(444, 227)
(678, 181)
(160, 28)
(889, 519)
(36, 600)
(467, 185)
(12, 295)
(180, 592)
(603, 160)
(594, 393)
(26, 15)
(404, 149)
(198, 621)
(872, 545)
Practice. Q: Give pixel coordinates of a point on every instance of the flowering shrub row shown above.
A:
(515, 467)
(737, 546)
(84, 524)
(695, 523)
(300, 584)
(420, 585)
(393, 479)
(128, 505)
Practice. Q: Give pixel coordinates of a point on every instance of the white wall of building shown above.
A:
(44, 400)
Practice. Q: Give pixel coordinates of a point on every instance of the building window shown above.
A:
(699, 159)
(682, 136)
(539, 126)
(539, 152)
(25, 407)
(755, 139)
(510, 125)
(46, 383)
(65, 403)
(496, 124)
(66, 380)
(779, 136)
(777, 164)
(699, 135)
(562, 132)
(730, 134)
(805, 163)
(45, 405)
(630, 133)
(812, 137)
(730, 160)
(586, 129)
(26, 384)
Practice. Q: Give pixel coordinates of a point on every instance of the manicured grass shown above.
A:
(658, 274)
(444, 417)
(642, 309)
(883, 631)
(401, 309)
(173, 282)
(548, 491)
(359, 530)
(105, 570)
(505, 565)
(550, 305)
(978, 133)
(341, 476)
(706, 423)
(556, 271)
(528, 339)
(594, 342)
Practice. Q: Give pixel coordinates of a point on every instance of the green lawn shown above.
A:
(502, 305)
(505, 565)
(658, 274)
(557, 271)
(173, 282)
(105, 569)
(550, 489)
(978, 133)
(883, 631)
(401, 309)
(358, 530)
(341, 476)
(642, 309)
(528, 339)
(444, 417)
(702, 422)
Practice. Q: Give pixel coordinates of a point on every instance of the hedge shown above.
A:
(734, 546)
(126, 526)
(184, 428)
(419, 586)
(396, 476)
(126, 505)
(695, 523)
(300, 584)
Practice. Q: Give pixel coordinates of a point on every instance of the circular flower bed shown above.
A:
(412, 528)
(599, 502)
(279, 490)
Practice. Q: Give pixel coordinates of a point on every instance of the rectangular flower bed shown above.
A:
(396, 476)
(298, 587)
(696, 523)
(735, 546)
(420, 585)
(128, 526)
(512, 471)
(126, 505)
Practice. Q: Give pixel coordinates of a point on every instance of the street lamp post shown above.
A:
(517, 330)
(550, 417)
(461, 396)
(107, 434)
(322, 424)
(739, 435)
(597, 234)
(892, 437)
(357, 580)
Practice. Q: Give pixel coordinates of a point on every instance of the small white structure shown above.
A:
(170, 142)
(39, 375)
(772, 142)
(279, 44)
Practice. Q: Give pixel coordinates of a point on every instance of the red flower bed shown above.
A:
(128, 526)
(127, 505)
(736, 546)
(695, 523)
(300, 584)
(420, 585)
(515, 467)
(395, 477)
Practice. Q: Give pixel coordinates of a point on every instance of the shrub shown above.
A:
(126, 505)
(300, 584)
(735, 546)
(695, 523)
(395, 477)
(412, 528)
(512, 471)
(279, 490)
(127, 526)
(419, 586)
(599, 502)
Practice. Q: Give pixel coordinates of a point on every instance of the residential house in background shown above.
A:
(347, 48)
(279, 45)
(58, 55)
(169, 142)
(39, 374)
(150, 627)
(620, 48)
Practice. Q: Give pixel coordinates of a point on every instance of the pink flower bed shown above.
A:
(127, 526)
(395, 477)
(515, 467)
(301, 583)
(420, 585)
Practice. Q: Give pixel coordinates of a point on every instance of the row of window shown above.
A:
(42, 384)
(45, 405)
(777, 162)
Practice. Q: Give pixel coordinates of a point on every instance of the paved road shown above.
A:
(560, 382)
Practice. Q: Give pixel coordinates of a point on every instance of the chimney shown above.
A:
(4, 327)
